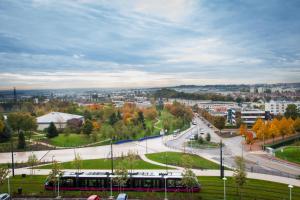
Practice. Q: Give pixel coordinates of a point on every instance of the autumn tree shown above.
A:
(150, 113)
(249, 139)
(121, 175)
(3, 174)
(243, 129)
(219, 122)
(258, 125)
(6, 133)
(274, 130)
(297, 124)
(285, 128)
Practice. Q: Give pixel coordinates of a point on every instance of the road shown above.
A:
(258, 161)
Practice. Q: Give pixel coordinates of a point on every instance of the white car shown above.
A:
(4, 196)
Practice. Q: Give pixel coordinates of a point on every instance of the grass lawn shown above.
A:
(212, 189)
(204, 145)
(290, 153)
(105, 164)
(175, 158)
(72, 140)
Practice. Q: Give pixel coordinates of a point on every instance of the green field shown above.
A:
(175, 158)
(290, 153)
(105, 164)
(212, 189)
(204, 145)
(72, 140)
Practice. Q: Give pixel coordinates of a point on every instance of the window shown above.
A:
(67, 182)
(171, 183)
(147, 183)
(92, 183)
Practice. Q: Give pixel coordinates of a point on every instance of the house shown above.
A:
(59, 119)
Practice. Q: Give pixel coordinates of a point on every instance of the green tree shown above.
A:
(189, 179)
(77, 162)
(141, 119)
(87, 127)
(55, 171)
(113, 119)
(239, 174)
(1, 126)
(32, 161)
(21, 140)
(6, 134)
(131, 158)
(52, 131)
(21, 121)
(219, 122)
(208, 137)
(291, 111)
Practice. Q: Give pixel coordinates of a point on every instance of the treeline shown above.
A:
(169, 93)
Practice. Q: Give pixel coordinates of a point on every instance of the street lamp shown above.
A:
(291, 187)
(8, 186)
(224, 179)
(166, 198)
(58, 197)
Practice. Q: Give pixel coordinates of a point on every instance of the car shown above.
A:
(4, 196)
(122, 196)
(94, 197)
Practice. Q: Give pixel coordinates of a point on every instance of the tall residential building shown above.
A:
(279, 107)
(231, 116)
(250, 116)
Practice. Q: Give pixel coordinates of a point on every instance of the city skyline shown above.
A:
(107, 44)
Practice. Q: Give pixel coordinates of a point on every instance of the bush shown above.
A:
(208, 137)
(200, 140)
(21, 141)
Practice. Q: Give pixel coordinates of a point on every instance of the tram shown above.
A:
(104, 181)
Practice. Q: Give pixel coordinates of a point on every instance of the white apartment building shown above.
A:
(250, 116)
(279, 107)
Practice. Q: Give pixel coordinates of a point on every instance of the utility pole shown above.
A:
(221, 161)
(12, 157)
(111, 157)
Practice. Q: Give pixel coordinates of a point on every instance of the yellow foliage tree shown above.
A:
(243, 129)
(257, 125)
(291, 126)
(297, 125)
(274, 130)
(285, 127)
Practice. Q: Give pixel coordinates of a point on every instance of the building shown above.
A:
(279, 107)
(231, 116)
(250, 116)
(261, 89)
(252, 89)
(59, 119)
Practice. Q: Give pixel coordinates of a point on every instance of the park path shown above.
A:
(144, 158)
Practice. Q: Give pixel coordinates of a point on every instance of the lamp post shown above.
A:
(166, 198)
(58, 197)
(224, 179)
(8, 186)
(291, 187)
(111, 194)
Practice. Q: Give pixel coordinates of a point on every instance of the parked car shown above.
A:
(122, 196)
(4, 196)
(94, 197)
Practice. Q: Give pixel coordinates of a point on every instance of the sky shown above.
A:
(153, 43)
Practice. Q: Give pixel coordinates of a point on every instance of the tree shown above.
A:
(285, 128)
(141, 119)
(113, 119)
(55, 171)
(187, 161)
(21, 141)
(243, 129)
(239, 174)
(150, 113)
(52, 131)
(273, 131)
(21, 121)
(3, 174)
(131, 158)
(297, 125)
(1, 126)
(121, 175)
(208, 137)
(32, 161)
(257, 125)
(189, 179)
(250, 139)
(87, 115)
(291, 111)
(77, 162)
(87, 127)
(74, 125)
(219, 122)
(263, 132)
(6, 133)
